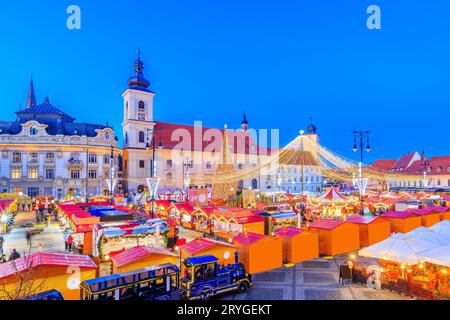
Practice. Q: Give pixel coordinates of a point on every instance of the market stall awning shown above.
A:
(427, 234)
(279, 215)
(133, 254)
(398, 248)
(442, 228)
(439, 256)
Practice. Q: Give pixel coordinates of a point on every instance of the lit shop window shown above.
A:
(33, 173)
(16, 173)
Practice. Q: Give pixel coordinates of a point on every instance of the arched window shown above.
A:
(141, 137)
(254, 184)
(107, 136)
(126, 137)
(240, 185)
(141, 107)
(126, 108)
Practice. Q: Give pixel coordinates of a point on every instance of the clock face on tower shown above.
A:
(141, 116)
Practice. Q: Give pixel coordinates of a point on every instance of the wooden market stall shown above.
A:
(229, 222)
(403, 222)
(298, 245)
(428, 216)
(140, 257)
(47, 271)
(278, 220)
(259, 253)
(200, 220)
(371, 229)
(444, 212)
(336, 237)
(225, 252)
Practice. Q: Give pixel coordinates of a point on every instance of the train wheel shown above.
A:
(243, 287)
(205, 294)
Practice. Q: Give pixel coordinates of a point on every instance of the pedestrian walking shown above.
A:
(14, 255)
(69, 243)
(28, 235)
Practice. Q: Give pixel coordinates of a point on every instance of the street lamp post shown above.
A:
(111, 173)
(152, 145)
(425, 166)
(361, 182)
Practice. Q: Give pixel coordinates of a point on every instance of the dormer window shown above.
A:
(107, 136)
(34, 131)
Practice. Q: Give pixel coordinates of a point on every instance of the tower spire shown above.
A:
(31, 99)
(244, 124)
(138, 80)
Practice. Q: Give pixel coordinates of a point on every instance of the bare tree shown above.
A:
(24, 282)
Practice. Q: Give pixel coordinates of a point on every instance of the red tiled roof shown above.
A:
(435, 166)
(326, 224)
(404, 161)
(46, 259)
(288, 232)
(171, 135)
(248, 238)
(139, 252)
(201, 244)
(384, 164)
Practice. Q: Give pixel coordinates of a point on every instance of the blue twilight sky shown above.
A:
(279, 61)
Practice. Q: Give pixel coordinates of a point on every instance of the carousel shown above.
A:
(333, 205)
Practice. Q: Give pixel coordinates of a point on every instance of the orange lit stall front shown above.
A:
(46, 271)
(403, 222)
(259, 253)
(371, 229)
(298, 245)
(336, 237)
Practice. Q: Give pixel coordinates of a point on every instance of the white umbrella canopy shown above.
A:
(430, 235)
(442, 228)
(439, 256)
(398, 248)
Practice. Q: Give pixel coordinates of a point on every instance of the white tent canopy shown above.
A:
(439, 256)
(442, 228)
(398, 248)
(427, 234)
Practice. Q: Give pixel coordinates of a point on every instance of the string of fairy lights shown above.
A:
(330, 165)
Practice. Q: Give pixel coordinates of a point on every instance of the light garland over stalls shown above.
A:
(331, 166)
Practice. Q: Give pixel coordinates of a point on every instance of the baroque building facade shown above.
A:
(45, 152)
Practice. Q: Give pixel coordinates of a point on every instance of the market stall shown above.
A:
(428, 216)
(403, 222)
(278, 220)
(223, 251)
(229, 222)
(298, 245)
(336, 237)
(47, 271)
(442, 228)
(200, 220)
(259, 253)
(140, 257)
(114, 237)
(371, 229)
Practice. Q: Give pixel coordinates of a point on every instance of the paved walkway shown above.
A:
(312, 280)
(50, 240)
